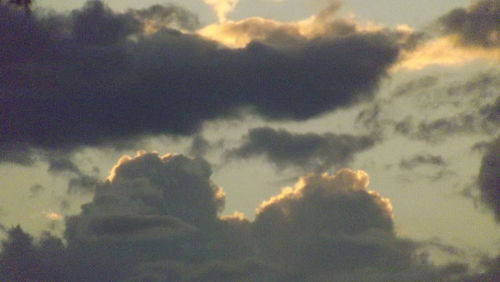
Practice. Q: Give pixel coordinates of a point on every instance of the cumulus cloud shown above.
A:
(157, 218)
(303, 150)
(332, 228)
(97, 77)
(489, 178)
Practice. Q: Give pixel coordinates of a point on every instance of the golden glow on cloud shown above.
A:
(53, 216)
(238, 34)
(344, 181)
(445, 51)
(239, 216)
(126, 158)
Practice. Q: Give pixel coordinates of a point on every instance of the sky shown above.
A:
(264, 140)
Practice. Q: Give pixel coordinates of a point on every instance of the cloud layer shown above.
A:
(97, 76)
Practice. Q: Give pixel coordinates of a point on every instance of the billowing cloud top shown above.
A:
(156, 219)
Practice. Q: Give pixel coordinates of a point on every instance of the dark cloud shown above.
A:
(199, 146)
(490, 272)
(349, 228)
(418, 160)
(157, 17)
(332, 228)
(96, 76)
(15, 153)
(303, 150)
(79, 181)
(23, 260)
(476, 25)
(488, 179)
(437, 129)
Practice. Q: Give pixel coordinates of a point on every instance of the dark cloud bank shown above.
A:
(96, 76)
(157, 218)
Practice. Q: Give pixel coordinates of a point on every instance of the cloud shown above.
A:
(157, 17)
(412, 86)
(303, 150)
(422, 160)
(445, 52)
(61, 164)
(488, 179)
(436, 130)
(440, 108)
(16, 153)
(158, 218)
(222, 7)
(199, 146)
(476, 25)
(332, 228)
(324, 25)
(466, 34)
(97, 77)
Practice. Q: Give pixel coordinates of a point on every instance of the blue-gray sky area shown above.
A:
(250, 140)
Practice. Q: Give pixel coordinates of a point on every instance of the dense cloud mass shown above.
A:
(156, 218)
(305, 150)
(477, 25)
(489, 182)
(97, 76)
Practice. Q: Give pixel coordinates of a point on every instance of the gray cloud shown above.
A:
(95, 77)
(435, 130)
(488, 179)
(332, 228)
(303, 150)
(79, 181)
(417, 160)
(473, 106)
(156, 218)
(167, 15)
(476, 25)
(199, 146)
(18, 154)
(412, 86)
